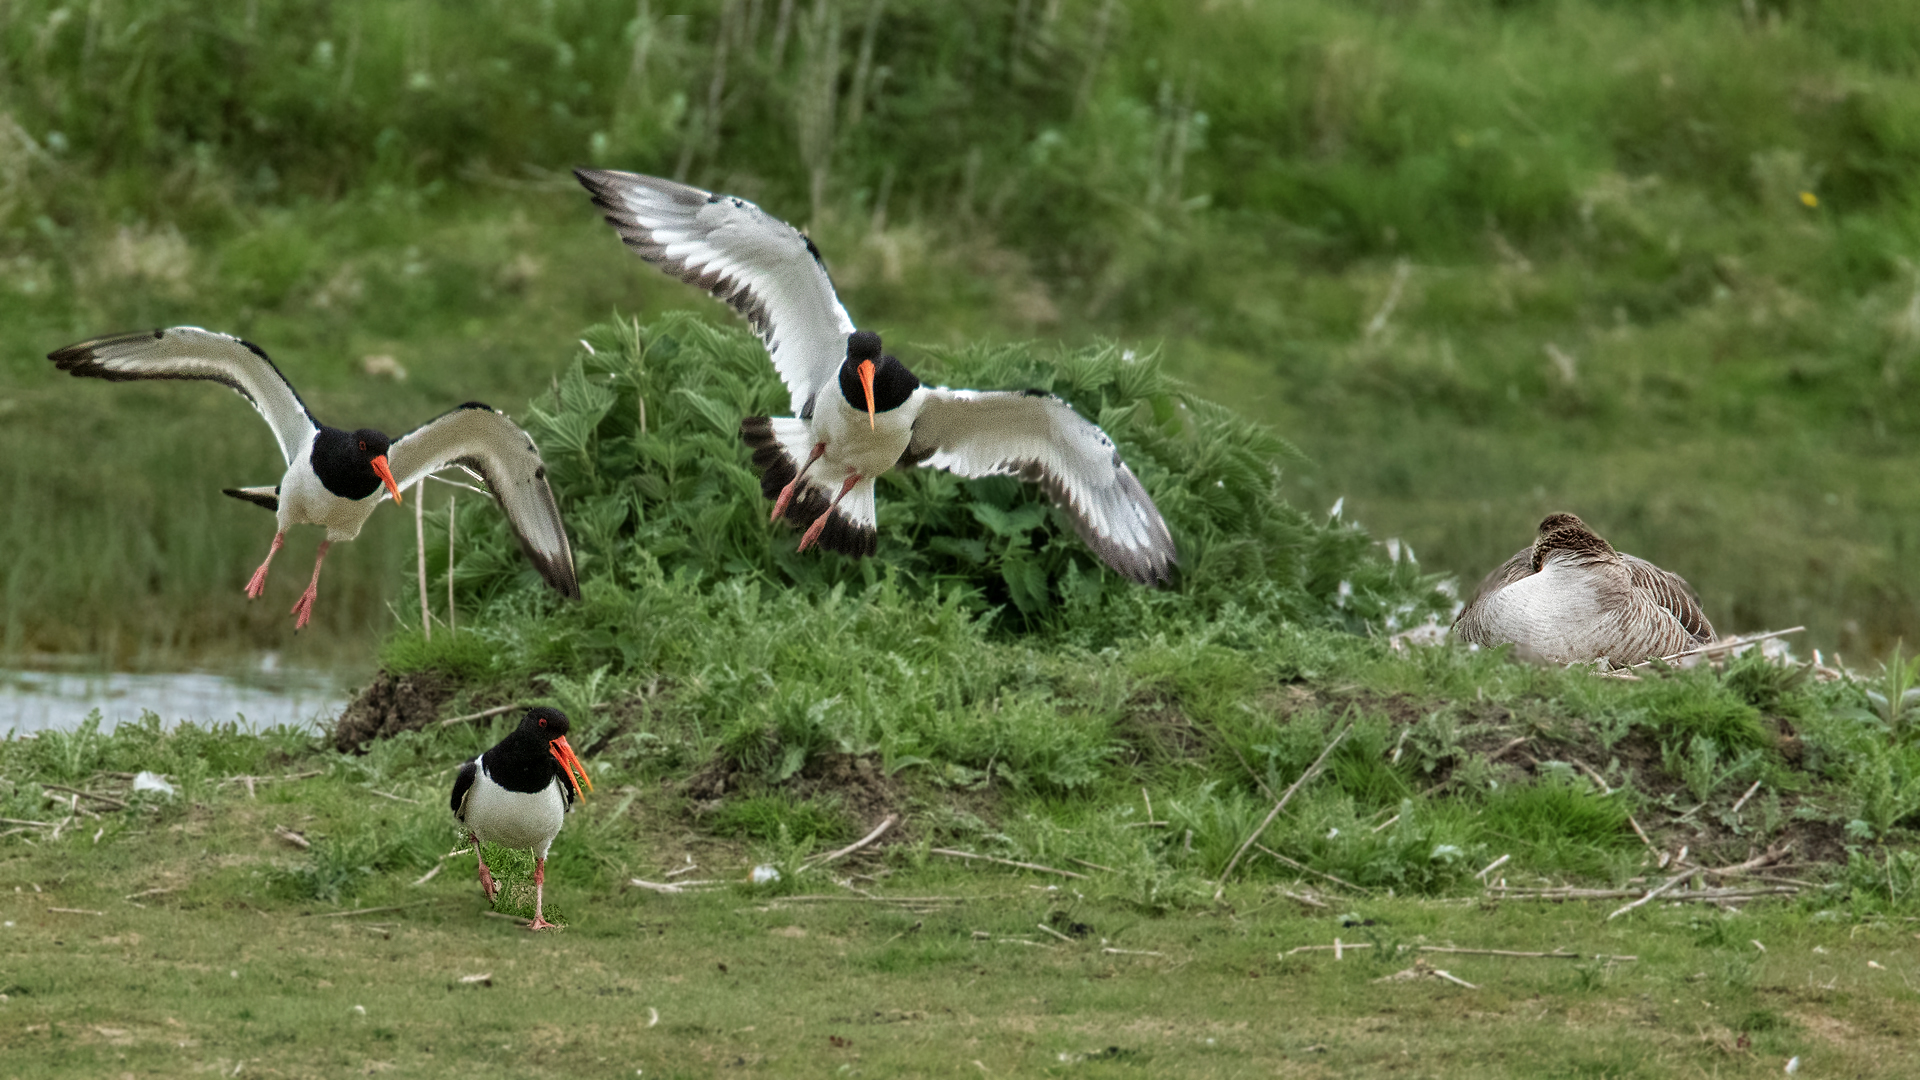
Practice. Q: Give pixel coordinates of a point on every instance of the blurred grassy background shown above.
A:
(1653, 263)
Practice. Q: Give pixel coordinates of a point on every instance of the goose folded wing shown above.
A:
(765, 268)
(188, 352)
(1671, 592)
(1039, 438)
(485, 442)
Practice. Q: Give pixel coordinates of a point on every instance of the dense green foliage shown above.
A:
(1479, 260)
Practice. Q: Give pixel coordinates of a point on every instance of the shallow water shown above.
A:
(259, 694)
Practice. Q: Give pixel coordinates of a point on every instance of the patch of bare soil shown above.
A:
(389, 705)
(857, 780)
(1154, 726)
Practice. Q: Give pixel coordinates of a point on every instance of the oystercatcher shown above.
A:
(335, 478)
(1570, 597)
(819, 465)
(518, 794)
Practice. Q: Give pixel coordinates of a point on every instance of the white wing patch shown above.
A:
(1039, 438)
(188, 352)
(767, 269)
(476, 437)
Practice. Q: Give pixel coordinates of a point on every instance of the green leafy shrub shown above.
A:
(640, 435)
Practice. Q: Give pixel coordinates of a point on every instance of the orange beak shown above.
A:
(569, 764)
(386, 475)
(866, 383)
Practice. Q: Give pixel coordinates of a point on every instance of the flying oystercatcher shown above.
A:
(819, 466)
(1570, 597)
(518, 794)
(335, 478)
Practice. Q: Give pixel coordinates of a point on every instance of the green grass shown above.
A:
(1729, 388)
(203, 955)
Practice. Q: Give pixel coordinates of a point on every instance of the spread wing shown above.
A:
(188, 352)
(1039, 437)
(767, 269)
(476, 438)
(1672, 592)
(463, 783)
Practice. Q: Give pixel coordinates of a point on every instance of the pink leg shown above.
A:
(793, 485)
(486, 879)
(303, 607)
(539, 895)
(258, 583)
(819, 523)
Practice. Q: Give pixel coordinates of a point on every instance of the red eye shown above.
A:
(363, 447)
(543, 721)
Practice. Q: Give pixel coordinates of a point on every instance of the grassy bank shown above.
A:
(188, 932)
(1479, 261)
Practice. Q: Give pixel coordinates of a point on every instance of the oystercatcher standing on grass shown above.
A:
(819, 466)
(335, 478)
(518, 794)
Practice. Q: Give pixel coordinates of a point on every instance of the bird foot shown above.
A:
(487, 884)
(814, 530)
(785, 497)
(302, 611)
(257, 584)
(540, 923)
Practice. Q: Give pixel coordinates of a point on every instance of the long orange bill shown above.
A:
(380, 466)
(866, 383)
(568, 764)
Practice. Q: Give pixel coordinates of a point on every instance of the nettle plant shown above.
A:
(641, 437)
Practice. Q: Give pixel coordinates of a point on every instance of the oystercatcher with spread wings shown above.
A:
(518, 794)
(335, 478)
(819, 465)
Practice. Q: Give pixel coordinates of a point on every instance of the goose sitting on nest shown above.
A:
(1570, 598)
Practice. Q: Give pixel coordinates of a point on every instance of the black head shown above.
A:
(353, 464)
(872, 381)
(544, 723)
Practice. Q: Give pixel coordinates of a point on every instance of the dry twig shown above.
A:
(1007, 862)
(1220, 887)
(834, 856)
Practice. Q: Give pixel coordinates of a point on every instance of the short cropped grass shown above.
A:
(168, 945)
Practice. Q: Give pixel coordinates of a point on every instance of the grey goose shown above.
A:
(1569, 597)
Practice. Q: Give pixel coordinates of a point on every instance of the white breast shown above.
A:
(513, 819)
(304, 500)
(856, 446)
(1556, 614)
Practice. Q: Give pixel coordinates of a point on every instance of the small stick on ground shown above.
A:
(484, 714)
(1092, 865)
(834, 856)
(1256, 776)
(429, 875)
(1305, 900)
(1492, 866)
(1457, 982)
(1765, 858)
(1642, 834)
(1045, 929)
(24, 821)
(1677, 879)
(1386, 824)
(1748, 795)
(365, 910)
(1310, 870)
(1508, 748)
(292, 837)
(1220, 887)
(1337, 947)
(1111, 951)
(107, 799)
(671, 887)
(395, 798)
(949, 852)
(75, 911)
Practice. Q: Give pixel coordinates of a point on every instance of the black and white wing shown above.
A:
(188, 352)
(462, 784)
(485, 442)
(1039, 437)
(767, 269)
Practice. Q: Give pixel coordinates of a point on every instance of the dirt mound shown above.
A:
(389, 705)
(861, 785)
